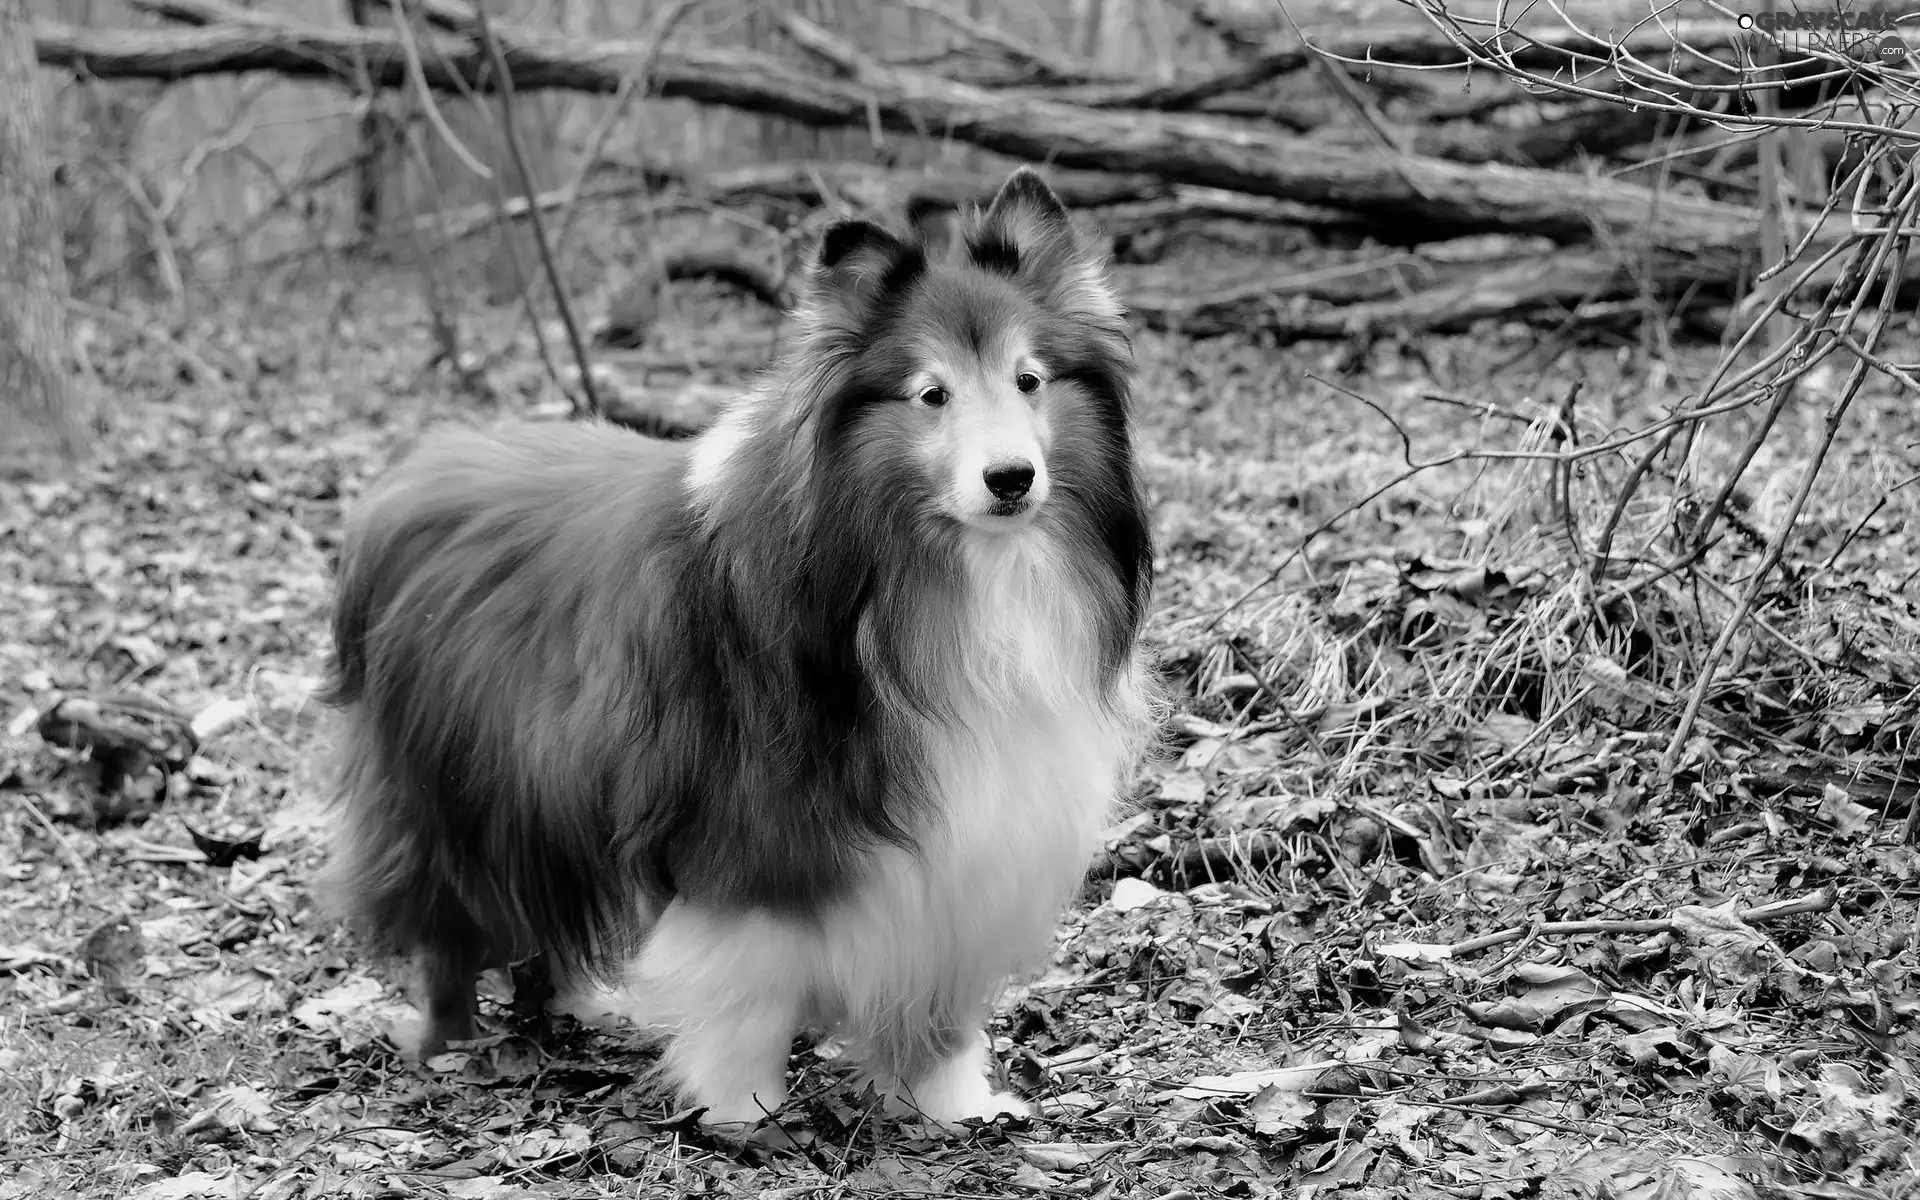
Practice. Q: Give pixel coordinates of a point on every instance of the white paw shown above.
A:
(989, 1105)
(1002, 1104)
(762, 1130)
(595, 1006)
(737, 1113)
(955, 1092)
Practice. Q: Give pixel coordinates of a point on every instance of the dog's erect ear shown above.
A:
(851, 267)
(1025, 201)
(848, 245)
(855, 257)
(1026, 235)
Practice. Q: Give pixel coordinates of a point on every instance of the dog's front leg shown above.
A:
(728, 988)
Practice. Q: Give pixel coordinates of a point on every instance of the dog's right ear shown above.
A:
(853, 265)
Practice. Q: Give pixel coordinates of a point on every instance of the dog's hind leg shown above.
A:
(448, 999)
(453, 953)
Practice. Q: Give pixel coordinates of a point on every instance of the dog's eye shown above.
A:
(1027, 382)
(933, 397)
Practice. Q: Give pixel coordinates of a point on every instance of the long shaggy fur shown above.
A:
(754, 728)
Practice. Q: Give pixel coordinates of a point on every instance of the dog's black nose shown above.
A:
(1009, 480)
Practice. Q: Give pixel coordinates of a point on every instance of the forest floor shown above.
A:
(1407, 909)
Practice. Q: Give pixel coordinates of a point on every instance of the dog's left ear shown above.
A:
(1026, 235)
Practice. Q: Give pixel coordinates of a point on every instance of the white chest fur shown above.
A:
(1026, 774)
(1024, 797)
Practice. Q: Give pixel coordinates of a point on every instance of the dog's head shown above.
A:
(979, 372)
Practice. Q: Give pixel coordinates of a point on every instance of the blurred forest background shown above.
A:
(237, 173)
(1528, 405)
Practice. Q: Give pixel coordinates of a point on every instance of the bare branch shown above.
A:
(504, 77)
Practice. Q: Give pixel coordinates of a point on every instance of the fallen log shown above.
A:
(861, 186)
(1116, 205)
(632, 312)
(1439, 198)
(1185, 204)
(1403, 297)
(883, 189)
(754, 278)
(1560, 51)
(1302, 112)
(798, 188)
(1400, 296)
(1597, 129)
(1237, 295)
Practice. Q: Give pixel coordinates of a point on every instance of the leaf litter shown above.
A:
(1403, 909)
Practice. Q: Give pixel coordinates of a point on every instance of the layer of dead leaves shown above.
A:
(1404, 911)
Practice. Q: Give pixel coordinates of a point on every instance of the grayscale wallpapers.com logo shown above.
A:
(1863, 33)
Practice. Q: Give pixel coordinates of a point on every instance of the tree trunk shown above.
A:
(36, 395)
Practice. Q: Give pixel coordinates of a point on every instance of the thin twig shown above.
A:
(1777, 544)
(1864, 265)
(159, 243)
(445, 322)
(1413, 469)
(1389, 140)
(59, 839)
(635, 85)
(592, 407)
(417, 75)
(1819, 902)
(1862, 522)
(496, 214)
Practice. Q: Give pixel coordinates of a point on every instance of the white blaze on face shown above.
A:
(989, 439)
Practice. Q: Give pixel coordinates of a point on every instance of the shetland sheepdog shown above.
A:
(811, 722)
